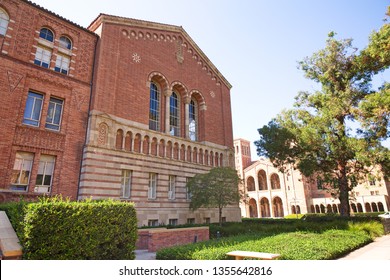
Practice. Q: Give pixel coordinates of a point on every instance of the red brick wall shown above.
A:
(122, 87)
(18, 76)
(155, 239)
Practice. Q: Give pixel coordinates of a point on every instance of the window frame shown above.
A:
(174, 114)
(4, 21)
(43, 56)
(172, 187)
(57, 103)
(30, 120)
(62, 63)
(154, 107)
(126, 179)
(45, 160)
(152, 189)
(24, 157)
(193, 116)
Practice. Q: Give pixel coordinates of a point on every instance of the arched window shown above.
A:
(174, 115)
(154, 108)
(46, 34)
(65, 43)
(193, 121)
(275, 182)
(63, 55)
(4, 20)
(44, 48)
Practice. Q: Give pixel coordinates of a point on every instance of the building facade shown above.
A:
(123, 109)
(46, 65)
(271, 193)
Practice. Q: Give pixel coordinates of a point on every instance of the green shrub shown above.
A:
(299, 240)
(15, 212)
(58, 229)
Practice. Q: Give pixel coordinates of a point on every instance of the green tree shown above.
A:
(216, 189)
(336, 132)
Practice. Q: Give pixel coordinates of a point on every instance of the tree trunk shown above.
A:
(344, 191)
(220, 216)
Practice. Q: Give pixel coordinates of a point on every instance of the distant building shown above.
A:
(271, 193)
(124, 109)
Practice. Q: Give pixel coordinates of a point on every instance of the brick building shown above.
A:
(160, 114)
(124, 109)
(46, 67)
(272, 193)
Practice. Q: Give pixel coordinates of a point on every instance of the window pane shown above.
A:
(47, 181)
(4, 19)
(39, 179)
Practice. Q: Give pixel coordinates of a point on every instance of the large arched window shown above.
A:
(174, 115)
(154, 108)
(4, 20)
(193, 121)
(44, 48)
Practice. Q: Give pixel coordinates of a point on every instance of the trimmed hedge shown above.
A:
(90, 230)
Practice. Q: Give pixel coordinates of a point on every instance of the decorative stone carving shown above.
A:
(103, 134)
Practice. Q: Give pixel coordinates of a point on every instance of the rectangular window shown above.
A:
(62, 64)
(32, 112)
(42, 57)
(126, 183)
(152, 186)
(207, 220)
(21, 171)
(53, 119)
(173, 222)
(45, 174)
(152, 223)
(191, 221)
(172, 187)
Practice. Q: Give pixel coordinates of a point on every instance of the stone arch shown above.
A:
(183, 152)
(161, 148)
(312, 209)
(137, 143)
(221, 159)
(153, 146)
(277, 205)
(201, 156)
(262, 179)
(328, 208)
(176, 151)
(250, 184)
(275, 181)
(323, 209)
(119, 139)
(128, 140)
(380, 207)
(169, 152)
(360, 207)
(293, 210)
(318, 210)
(160, 79)
(374, 207)
(253, 208)
(206, 157)
(195, 155)
(198, 96)
(145, 145)
(367, 206)
(265, 208)
(189, 153)
(353, 208)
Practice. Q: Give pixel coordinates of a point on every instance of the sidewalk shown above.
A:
(379, 249)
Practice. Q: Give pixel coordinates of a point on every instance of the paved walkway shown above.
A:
(379, 249)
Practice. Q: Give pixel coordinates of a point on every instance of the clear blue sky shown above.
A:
(255, 44)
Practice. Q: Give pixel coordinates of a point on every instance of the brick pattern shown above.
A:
(19, 75)
(155, 239)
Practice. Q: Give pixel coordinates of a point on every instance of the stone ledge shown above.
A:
(9, 242)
